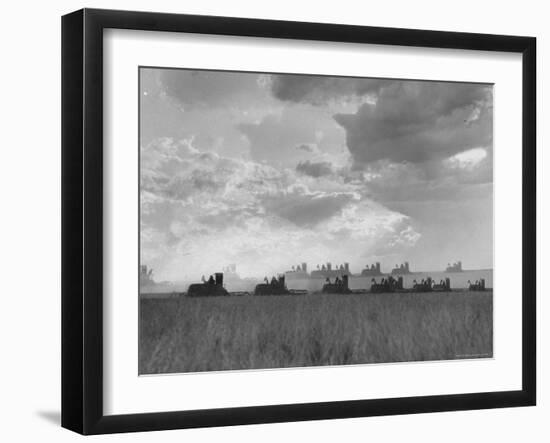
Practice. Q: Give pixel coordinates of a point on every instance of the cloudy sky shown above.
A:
(269, 170)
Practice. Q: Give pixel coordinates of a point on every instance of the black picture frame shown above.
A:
(82, 220)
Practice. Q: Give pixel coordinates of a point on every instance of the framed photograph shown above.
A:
(269, 221)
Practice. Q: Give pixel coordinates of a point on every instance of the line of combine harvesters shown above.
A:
(340, 285)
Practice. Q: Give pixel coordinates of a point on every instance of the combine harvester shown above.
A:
(276, 287)
(389, 284)
(208, 288)
(479, 285)
(429, 285)
(213, 287)
(340, 286)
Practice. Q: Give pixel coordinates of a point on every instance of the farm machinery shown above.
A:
(479, 285)
(276, 286)
(428, 285)
(214, 286)
(340, 286)
(208, 288)
(389, 284)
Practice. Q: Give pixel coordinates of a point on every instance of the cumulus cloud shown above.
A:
(445, 180)
(415, 139)
(208, 210)
(267, 170)
(371, 230)
(419, 121)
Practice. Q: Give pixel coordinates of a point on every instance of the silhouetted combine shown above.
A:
(208, 288)
(373, 271)
(275, 287)
(389, 284)
(429, 285)
(340, 286)
(443, 286)
(479, 285)
(401, 269)
(455, 267)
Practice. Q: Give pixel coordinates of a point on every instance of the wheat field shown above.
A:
(228, 333)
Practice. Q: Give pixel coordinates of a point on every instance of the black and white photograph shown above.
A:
(268, 222)
(293, 220)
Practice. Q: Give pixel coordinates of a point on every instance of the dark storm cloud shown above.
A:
(306, 210)
(394, 183)
(314, 169)
(318, 89)
(419, 121)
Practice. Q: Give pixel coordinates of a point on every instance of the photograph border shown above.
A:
(82, 220)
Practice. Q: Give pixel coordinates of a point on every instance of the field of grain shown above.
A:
(223, 333)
